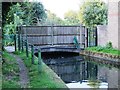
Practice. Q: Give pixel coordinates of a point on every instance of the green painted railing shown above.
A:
(21, 44)
(24, 45)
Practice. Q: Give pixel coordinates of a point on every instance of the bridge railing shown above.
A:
(55, 35)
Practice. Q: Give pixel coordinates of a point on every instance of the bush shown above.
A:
(109, 45)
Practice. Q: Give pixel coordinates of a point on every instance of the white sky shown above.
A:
(59, 7)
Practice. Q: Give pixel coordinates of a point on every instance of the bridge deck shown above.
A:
(58, 48)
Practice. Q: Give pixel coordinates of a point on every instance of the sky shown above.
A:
(59, 7)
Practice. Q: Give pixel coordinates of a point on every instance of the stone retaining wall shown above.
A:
(101, 57)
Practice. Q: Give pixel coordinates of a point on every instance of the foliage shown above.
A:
(94, 83)
(14, 10)
(52, 19)
(33, 13)
(94, 13)
(109, 45)
(104, 50)
(39, 12)
(71, 18)
(25, 13)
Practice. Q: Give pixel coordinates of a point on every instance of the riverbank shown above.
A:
(39, 76)
(105, 58)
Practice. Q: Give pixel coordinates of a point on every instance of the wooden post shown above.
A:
(32, 53)
(27, 48)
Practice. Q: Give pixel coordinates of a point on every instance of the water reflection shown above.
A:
(79, 73)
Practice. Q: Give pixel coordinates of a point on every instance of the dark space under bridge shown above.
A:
(55, 38)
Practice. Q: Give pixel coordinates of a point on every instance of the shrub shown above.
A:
(109, 45)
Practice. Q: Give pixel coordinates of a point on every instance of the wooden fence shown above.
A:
(54, 35)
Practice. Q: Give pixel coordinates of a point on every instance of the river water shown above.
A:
(77, 72)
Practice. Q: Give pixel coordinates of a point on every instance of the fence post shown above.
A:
(22, 44)
(27, 48)
(15, 42)
(19, 39)
(39, 56)
(32, 53)
(39, 61)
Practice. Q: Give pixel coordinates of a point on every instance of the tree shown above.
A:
(52, 19)
(94, 13)
(30, 12)
(34, 13)
(71, 18)
(14, 9)
(39, 12)
(25, 13)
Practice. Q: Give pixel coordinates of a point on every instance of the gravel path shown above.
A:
(24, 79)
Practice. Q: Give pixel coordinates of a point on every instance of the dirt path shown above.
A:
(24, 79)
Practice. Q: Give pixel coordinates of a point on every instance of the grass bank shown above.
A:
(10, 72)
(104, 50)
(41, 76)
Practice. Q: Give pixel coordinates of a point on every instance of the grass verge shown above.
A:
(41, 76)
(104, 50)
(10, 72)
